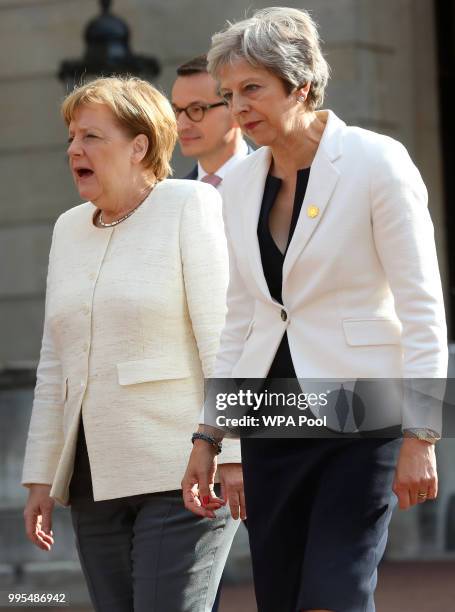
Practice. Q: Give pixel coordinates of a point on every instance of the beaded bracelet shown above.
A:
(210, 439)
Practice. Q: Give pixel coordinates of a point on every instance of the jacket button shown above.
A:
(284, 315)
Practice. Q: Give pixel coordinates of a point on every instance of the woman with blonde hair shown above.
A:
(135, 303)
(333, 275)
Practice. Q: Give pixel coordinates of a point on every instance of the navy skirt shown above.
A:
(318, 514)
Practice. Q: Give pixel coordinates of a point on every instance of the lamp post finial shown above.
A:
(107, 52)
(105, 5)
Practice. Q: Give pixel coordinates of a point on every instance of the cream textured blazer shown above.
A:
(361, 287)
(132, 324)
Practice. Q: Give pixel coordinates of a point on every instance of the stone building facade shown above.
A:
(384, 59)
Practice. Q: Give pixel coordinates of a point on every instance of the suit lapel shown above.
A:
(192, 176)
(252, 196)
(321, 185)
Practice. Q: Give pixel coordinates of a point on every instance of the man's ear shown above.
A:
(140, 148)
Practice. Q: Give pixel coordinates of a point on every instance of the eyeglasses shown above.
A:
(196, 112)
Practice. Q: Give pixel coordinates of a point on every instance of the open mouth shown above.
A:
(84, 172)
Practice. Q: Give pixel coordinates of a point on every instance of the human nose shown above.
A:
(183, 121)
(74, 147)
(238, 104)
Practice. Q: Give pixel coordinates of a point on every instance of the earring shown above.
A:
(301, 98)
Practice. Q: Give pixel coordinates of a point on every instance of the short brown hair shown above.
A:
(139, 108)
(197, 65)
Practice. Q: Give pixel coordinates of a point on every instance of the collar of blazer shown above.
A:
(249, 178)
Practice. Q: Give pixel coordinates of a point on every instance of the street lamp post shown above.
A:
(107, 52)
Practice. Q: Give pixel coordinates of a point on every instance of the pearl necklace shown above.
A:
(125, 217)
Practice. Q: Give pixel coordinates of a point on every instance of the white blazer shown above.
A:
(132, 324)
(361, 287)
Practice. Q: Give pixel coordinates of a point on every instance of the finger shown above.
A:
(423, 491)
(414, 494)
(234, 504)
(29, 525)
(46, 521)
(196, 508)
(46, 537)
(39, 542)
(404, 501)
(199, 510)
(190, 496)
(223, 490)
(206, 493)
(211, 500)
(432, 492)
(433, 489)
(43, 543)
(193, 503)
(242, 505)
(31, 521)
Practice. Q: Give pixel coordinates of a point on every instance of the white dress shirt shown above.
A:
(226, 167)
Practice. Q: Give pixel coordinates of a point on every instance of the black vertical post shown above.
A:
(445, 30)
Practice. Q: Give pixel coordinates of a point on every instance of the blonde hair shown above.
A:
(139, 108)
(283, 40)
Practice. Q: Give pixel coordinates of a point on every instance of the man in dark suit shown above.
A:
(206, 128)
(207, 132)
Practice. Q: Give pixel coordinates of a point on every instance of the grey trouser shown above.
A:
(147, 553)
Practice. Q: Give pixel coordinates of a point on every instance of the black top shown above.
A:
(81, 487)
(273, 259)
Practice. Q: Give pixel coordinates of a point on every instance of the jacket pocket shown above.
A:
(148, 370)
(369, 332)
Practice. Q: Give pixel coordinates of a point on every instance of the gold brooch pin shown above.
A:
(312, 211)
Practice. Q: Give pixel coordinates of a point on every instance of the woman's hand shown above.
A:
(198, 481)
(231, 478)
(38, 516)
(415, 473)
